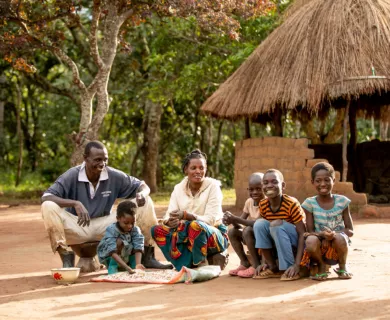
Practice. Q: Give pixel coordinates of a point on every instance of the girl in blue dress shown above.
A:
(329, 225)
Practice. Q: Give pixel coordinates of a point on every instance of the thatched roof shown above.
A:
(324, 53)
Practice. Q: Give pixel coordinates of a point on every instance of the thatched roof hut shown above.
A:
(325, 53)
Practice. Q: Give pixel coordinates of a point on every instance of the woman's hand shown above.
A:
(140, 266)
(177, 214)
(172, 222)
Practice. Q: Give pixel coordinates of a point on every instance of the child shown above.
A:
(239, 236)
(281, 227)
(121, 241)
(329, 224)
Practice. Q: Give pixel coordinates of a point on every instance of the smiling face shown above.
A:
(255, 189)
(196, 170)
(95, 161)
(126, 222)
(273, 185)
(323, 182)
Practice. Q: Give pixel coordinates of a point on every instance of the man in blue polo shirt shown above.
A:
(77, 207)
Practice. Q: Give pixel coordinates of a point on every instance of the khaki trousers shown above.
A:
(63, 229)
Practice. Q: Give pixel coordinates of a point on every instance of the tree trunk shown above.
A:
(2, 138)
(151, 129)
(384, 123)
(218, 149)
(277, 119)
(308, 127)
(345, 143)
(336, 132)
(247, 129)
(18, 102)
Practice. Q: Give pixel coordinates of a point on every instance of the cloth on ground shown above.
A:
(185, 275)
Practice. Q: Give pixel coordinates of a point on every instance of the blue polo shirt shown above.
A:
(117, 185)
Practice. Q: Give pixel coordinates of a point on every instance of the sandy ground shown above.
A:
(28, 292)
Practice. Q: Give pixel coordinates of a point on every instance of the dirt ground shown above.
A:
(28, 292)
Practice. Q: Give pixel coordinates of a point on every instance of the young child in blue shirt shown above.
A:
(122, 242)
(329, 225)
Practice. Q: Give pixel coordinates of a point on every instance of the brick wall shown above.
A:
(293, 158)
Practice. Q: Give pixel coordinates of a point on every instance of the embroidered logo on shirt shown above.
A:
(106, 193)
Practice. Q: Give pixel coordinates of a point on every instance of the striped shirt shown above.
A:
(290, 210)
(332, 218)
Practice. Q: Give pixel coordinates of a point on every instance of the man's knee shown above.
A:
(48, 207)
(276, 223)
(312, 244)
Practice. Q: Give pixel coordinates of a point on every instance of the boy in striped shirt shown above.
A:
(282, 227)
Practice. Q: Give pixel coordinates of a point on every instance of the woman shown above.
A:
(192, 233)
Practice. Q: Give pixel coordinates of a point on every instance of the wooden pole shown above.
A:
(247, 129)
(345, 143)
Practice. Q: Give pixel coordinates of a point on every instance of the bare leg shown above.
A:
(249, 238)
(235, 237)
(313, 248)
(341, 246)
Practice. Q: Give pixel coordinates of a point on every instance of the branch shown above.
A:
(93, 34)
(220, 50)
(72, 65)
(126, 15)
(48, 87)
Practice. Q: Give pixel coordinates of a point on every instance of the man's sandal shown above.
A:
(343, 274)
(320, 276)
(266, 274)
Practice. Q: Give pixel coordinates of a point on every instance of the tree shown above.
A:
(30, 26)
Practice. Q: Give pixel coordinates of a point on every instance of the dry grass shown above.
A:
(324, 53)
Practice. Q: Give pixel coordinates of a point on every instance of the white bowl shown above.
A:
(65, 275)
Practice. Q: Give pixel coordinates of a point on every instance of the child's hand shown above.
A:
(140, 266)
(261, 268)
(228, 218)
(292, 271)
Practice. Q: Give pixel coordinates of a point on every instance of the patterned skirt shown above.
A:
(190, 243)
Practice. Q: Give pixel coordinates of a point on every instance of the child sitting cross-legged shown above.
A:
(329, 225)
(123, 242)
(242, 230)
(282, 228)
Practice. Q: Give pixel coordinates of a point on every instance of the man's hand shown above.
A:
(82, 213)
(140, 199)
(292, 271)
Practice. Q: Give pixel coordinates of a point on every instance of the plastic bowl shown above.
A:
(65, 275)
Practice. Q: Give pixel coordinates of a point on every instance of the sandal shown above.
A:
(266, 274)
(247, 273)
(285, 278)
(320, 276)
(343, 274)
(234, 272)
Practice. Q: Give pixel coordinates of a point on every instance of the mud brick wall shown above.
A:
(293, 158)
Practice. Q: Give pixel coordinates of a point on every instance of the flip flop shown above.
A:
(234, 272)
(266, 274)
(320, 276)
(247, 273)
(343, 274)
(285, 278)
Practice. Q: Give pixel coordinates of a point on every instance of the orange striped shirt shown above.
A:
(289, 210)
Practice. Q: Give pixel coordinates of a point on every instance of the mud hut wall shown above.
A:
(293, 158)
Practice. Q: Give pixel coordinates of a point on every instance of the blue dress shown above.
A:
(132, 241)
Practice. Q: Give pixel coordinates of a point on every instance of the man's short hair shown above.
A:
(93, 144)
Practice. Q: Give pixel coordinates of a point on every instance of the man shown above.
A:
(88, 192)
